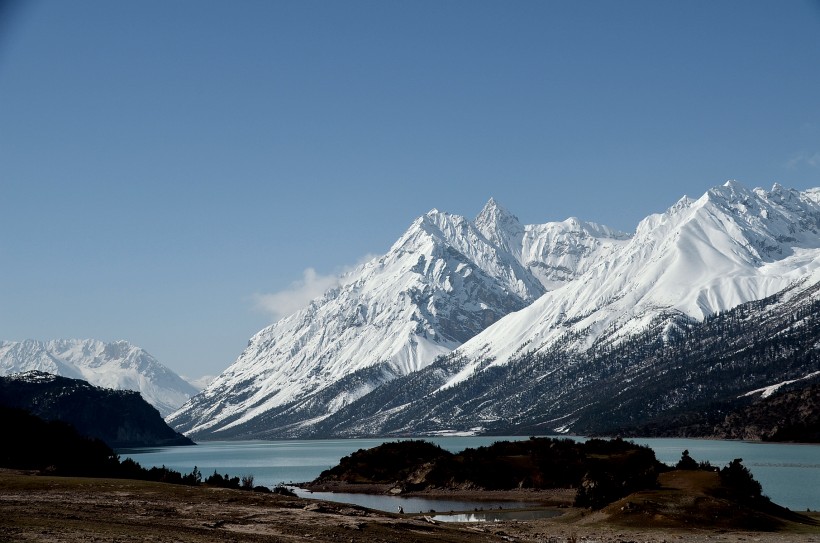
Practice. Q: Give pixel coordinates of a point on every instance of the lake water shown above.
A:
(790, 474)
(414, 505)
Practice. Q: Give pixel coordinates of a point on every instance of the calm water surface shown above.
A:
(416, 505)
(790, 474)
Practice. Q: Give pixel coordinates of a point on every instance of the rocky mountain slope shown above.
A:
(789, 415)
(683, 384)
(698, 258)
(118, 365)
(587, 312)
(446, 279)
(120, 418)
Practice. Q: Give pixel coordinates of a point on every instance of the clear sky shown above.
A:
(177, 173)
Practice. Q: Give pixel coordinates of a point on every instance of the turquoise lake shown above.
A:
(789, 473)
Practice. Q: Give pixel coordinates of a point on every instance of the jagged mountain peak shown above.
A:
(500, 227)
(438, 285)
(697, 258)
(733, 185)
(494, 213)
(452, 283)
(445, 279)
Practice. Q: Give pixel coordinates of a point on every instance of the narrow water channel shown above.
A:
(408, 505)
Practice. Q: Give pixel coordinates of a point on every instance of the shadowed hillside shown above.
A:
(120, 418)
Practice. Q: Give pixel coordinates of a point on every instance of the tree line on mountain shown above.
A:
(694, 383)
(678, 377)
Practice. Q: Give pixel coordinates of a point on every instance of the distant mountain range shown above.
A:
(118, 365)
(120, 418)
(494, 326)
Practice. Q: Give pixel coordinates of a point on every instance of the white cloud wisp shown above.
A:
(286, 302)
(300, 293)
(801, 159)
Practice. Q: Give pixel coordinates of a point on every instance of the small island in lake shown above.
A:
(617, 481)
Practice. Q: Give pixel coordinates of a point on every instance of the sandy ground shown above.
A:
(52, 509)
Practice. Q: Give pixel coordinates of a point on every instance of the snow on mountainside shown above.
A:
(118, 365)
(446, 279)
(680, 383)
(699, 257)
(555, 252)
(529, 302)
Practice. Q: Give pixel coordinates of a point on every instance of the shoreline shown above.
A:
(554, 497)
(46, 509)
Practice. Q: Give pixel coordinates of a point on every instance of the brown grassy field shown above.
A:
(61, 509)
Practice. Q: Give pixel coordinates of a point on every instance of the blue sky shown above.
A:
(164, 166)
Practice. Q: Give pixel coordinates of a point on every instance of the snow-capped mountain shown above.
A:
(555, 252)
(199, 383)
(682, 383)
(510, 305)
(446, 279)
(118, 365)
(700, 257)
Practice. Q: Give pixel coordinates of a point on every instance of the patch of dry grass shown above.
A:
(63, 510)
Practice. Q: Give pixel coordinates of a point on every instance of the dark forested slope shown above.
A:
(119, 418)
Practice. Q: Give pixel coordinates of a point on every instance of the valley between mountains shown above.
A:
(492, 326)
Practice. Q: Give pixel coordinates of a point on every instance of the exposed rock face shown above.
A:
(791, 415)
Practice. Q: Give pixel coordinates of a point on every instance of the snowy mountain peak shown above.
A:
(495, 213)
(493, 289)
(500, 227)
(443, 281)
(731, 191)
(118, 365)
(698, 258)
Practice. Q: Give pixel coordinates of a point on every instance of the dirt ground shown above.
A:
(55, 509)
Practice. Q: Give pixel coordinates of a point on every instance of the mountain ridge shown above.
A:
(120, 418)
(442, 282)
(693, 259)
(117, 365)
(599, 289)
(646, 386)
